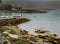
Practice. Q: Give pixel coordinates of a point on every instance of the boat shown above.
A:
(17, 16)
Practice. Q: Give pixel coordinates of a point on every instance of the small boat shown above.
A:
(17, 16)
(3, 17)
(20, 15)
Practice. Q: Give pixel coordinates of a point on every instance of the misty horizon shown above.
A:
(35, 4)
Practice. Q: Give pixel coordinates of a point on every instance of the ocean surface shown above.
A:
(48, 21)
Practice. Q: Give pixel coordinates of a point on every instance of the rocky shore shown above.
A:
(18, 36)
(12, 21)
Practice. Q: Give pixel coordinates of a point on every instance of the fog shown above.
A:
(35, 4)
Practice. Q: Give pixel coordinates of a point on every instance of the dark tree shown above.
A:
(7, 7)
(0, 1)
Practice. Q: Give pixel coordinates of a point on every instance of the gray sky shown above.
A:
(31, 0)
(35, 4)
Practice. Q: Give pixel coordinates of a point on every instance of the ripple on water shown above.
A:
(48, 21)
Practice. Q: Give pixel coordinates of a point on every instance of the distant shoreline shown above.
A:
(26, 11)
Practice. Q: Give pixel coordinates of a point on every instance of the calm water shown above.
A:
(49, 21)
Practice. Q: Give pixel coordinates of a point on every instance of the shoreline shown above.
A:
(13, 32)
(27, 11)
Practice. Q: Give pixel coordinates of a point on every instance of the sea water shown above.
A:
(48, 21)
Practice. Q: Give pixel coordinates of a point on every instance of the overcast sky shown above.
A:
(35, 3)
(31, 0)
